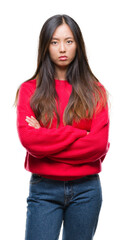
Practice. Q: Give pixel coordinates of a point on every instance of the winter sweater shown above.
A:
(64, 153)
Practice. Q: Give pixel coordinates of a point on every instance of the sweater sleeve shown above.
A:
(89, 148)
(41, 142)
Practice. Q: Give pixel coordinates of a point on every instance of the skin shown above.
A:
(32, 122)
(62, 44)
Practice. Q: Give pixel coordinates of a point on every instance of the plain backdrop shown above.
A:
(101, 23)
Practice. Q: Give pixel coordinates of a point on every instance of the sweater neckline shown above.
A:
(61, 82)
(58, 80)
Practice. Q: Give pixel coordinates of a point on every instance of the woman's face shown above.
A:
(62, 48)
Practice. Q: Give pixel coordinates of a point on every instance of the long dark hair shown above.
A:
(86, 92)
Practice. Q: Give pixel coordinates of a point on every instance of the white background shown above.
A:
(101, 23)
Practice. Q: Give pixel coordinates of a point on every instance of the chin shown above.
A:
(63, 63)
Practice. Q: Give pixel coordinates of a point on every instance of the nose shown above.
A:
(62, 47)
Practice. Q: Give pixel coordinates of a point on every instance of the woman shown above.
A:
(63, 123)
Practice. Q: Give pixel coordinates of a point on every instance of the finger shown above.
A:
(31, 120)
(28, 120)
(37, 126)
(34, 120)
(33, 125)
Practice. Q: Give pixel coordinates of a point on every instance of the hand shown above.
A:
(32, 122)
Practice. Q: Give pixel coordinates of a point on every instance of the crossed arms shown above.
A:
(67, 144)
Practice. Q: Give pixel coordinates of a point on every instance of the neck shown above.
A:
(60, 73)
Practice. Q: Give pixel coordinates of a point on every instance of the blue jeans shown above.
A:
(74, 203)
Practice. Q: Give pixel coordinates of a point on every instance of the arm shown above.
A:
(42, 141)
(91, 147)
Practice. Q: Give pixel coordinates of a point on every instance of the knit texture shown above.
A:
(67, 152)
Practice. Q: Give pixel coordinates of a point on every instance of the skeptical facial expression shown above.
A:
(62, 48)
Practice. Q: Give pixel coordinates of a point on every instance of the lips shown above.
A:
(63, 57)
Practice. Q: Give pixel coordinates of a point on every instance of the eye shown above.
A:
(54, 42)
(69, 41)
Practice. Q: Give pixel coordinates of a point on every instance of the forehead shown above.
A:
(63, 31)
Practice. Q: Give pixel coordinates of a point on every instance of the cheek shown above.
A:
(73, 52)
(52, 53)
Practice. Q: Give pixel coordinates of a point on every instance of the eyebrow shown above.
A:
(65, 38)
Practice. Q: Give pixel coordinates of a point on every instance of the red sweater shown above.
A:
(66, 153)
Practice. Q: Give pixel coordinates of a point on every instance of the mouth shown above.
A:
(63, 58)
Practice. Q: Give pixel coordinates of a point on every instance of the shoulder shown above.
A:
(99, 84)
(29, 84)
(28, 87)
(26, 90)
